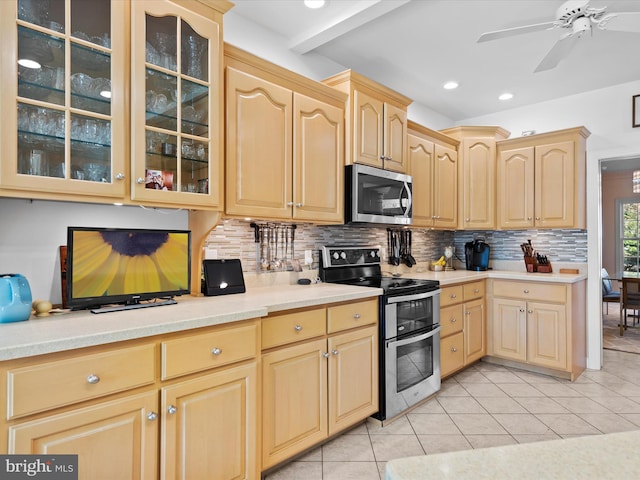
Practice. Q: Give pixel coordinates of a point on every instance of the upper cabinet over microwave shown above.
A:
(376, 122)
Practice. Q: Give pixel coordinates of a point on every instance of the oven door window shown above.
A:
(414, 362)
(414, 316)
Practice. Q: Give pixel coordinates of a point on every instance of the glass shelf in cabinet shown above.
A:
(88, 58)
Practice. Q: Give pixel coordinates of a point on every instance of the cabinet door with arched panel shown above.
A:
(176, 108)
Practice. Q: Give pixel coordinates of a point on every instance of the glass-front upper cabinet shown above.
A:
(63, 96)
(176, 92)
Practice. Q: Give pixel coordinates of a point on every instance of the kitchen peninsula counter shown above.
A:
(72, 330)
(609, 456)
(461, 276)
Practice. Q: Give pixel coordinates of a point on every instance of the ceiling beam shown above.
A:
(360, 14)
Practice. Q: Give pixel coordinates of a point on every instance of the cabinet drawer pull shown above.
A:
(454, 349)
(297, 328)
(93, 379)
(171, 409)
(216, 351)
(151, 416)
(335, 352)
(356, 316)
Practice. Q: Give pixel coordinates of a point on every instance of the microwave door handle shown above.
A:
(405, 186)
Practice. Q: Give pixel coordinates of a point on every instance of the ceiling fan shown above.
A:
(575, 17)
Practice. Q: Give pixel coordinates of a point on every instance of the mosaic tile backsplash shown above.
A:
(235, 239)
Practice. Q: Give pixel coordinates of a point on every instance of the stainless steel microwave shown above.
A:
(374, 195)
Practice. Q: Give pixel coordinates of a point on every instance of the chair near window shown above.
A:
(629, 300)
(609, 295)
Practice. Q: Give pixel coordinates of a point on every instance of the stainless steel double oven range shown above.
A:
(409, 354)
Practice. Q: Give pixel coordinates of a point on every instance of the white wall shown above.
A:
(32, 231)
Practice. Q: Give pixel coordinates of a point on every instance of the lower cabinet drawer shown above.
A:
(546, 292)
(203, 351)
(292, 327)
(473, 290)
(352, 315)
(451, 320)
(41, 387)
(451, 354)
(451, 295)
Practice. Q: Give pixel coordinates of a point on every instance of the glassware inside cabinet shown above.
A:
(194, 53)
(72, 139)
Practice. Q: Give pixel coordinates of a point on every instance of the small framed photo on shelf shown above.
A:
(159, 180)
(636, 111)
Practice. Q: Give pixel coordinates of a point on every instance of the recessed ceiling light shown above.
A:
(506, 96)
(450, 85)
(314, 3)
(25, 62)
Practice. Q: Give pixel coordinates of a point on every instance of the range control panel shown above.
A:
(344, 256)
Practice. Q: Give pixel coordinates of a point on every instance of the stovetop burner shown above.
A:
(361, 266)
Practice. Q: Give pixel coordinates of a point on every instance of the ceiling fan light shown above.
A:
(450, 85)
(314, 3)
(506, 96)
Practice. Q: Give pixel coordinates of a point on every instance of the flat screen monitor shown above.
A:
(119, 268)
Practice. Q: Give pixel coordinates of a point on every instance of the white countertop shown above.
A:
(70, 330)
(80, 329)
(609, 456)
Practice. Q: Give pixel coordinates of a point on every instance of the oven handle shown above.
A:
(406, 341)
(415, 296)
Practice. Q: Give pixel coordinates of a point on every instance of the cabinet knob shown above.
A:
(528, 218)
(335, 352)
(93, 379)
(325, 354)
(454, 349)
(139, 180)
(289, 204)
(537, 218)
(522, 310)
(171, 409)
(467, 219)
(476, 290)
(356, 316)
(453, 295)
(453, 319)
(298, 204)
(297, 328)
(382, 157)
(151, 416)
(120, 176)
(529, 311)
(216, 351)
(526, 291)
(467, 312)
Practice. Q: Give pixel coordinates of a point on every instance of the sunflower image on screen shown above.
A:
(123, 262)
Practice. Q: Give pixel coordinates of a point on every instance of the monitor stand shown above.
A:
(131, 306)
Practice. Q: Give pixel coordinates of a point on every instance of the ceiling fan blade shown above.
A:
(622, 22)
(508, 32)
(560, 50)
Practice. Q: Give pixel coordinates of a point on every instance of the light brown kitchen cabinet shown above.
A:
(284, 132)
(110, 115)
(318, 384)
(176, 104)
(433, 165)
(541, 180)
(64, 127)
(539, 325)
(194, 417)
(463, 320)
(476, 175)
(376, 122)
(113, 439)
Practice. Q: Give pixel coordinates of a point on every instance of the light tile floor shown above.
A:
(484, 406)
